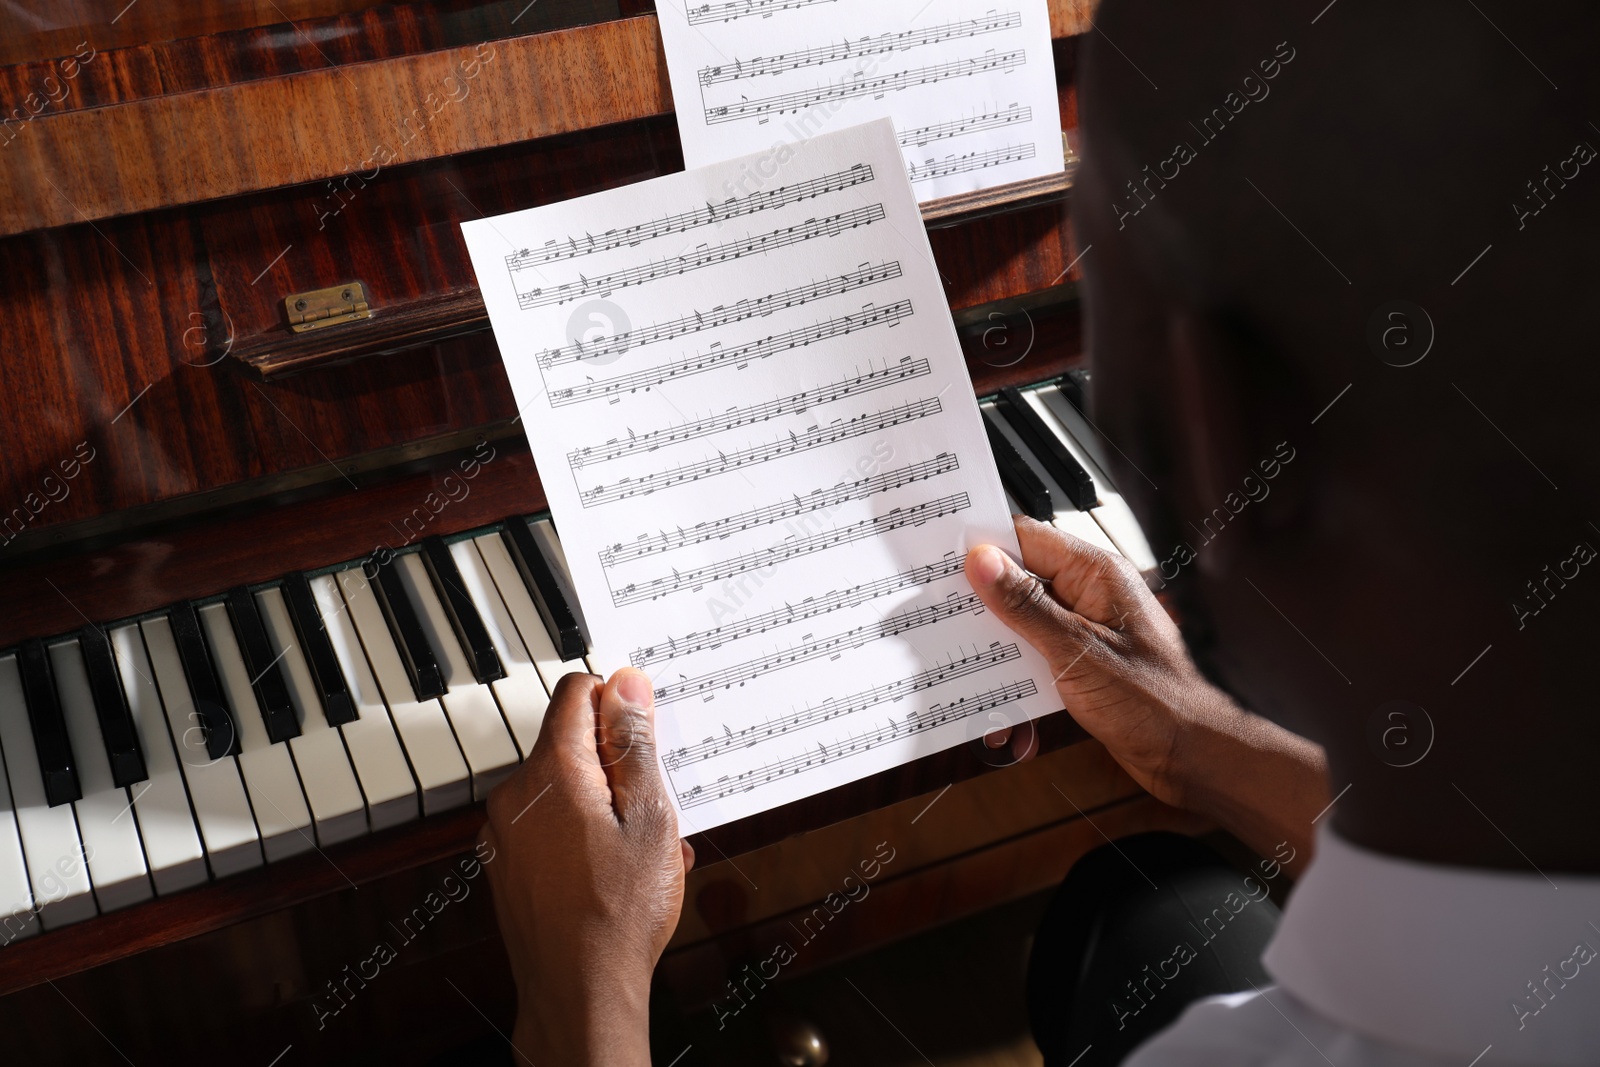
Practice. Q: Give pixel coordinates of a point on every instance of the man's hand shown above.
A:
(1123, 672)
(587, 873)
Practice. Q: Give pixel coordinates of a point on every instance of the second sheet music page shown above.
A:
(755, 428)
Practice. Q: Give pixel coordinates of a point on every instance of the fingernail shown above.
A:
(988, 564)
(634, 688)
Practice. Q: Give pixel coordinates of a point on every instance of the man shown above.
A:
(1362, 236)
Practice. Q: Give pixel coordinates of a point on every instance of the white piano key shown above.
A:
(106, 823)
(380, 762)
(424, 731)
(171, 839)
(519, 602)
(337, 810)
(1113, 514)
(17, 919)
(55, 857)
(1068, 518)
(221, 806)
(521, 692)
(268, 770)
(481, 732)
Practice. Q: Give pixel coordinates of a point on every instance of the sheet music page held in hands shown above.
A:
(971, 87)
(760, 444)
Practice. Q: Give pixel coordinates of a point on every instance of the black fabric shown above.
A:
(1139, 930)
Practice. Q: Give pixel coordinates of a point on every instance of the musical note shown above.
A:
(899, 623)
(810, 608)
(738, 9)
(705, 256)
(994, 157)
(754, 734)
(733, 418)
(817, 500)
(788, 445)
(854, 744)
(683, 221)
(849, 87)
(713, 358)
(989, 120)
(866, 46)
(721, 315)
(789, 549)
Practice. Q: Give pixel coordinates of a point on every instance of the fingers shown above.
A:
(627, 744)
(1022, 602)
(1076, 570)
(569, 720)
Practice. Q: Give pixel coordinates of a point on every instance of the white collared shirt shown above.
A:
(1385, 961)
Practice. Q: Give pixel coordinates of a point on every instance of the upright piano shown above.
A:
(279, 598)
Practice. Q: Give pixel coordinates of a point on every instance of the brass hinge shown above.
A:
(327, 307)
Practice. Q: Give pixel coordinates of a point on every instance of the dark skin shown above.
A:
(1393, 548)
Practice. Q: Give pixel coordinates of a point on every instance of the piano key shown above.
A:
(544, 531)
(519, 602)
(171, 838)
(337, 810)
(1066, 516)
(1113, 512)
(1025, 488)
(111, 706)
(262, 667)
(17, 918)
(480, 730)
(268, 771)
(57, 767)
(375, 752)
(416, 655)
(337, 707)
(471, 634)
(106, 822)
(1074, 389)
(435, 757)
(1047, 448)
(540, 581)
(521, 694)
(57, 873)
(208, 708)
(221, 806)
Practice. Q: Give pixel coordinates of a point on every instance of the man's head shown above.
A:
(1319, 239)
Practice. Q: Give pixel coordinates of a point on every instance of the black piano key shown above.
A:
(1025, 487)
(422, 669)
(56, 763)
(111, 708)
(337, 706)
(1048, 449)
(272, 692)
(464, 618)
(540, 579)
(222, 736)
(1075, 386)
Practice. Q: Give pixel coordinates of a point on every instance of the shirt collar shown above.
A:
(1445, 960)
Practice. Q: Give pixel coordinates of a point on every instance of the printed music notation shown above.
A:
(736, 417)
(866, 46)
(815, 648)
(851, 87)
(738, 9)
(738, 356)
(815, 437)
(809, 608)
(914, 723)
(989, 120)
(704, 256)
(789, 549)
(793, 507)
(721, 315)
(684, 221)
(748, 736)
(994, 157)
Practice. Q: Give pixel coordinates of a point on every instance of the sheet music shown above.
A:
(754, 425)
(970, 85)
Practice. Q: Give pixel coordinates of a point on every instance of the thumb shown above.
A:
(1025, 603)
(628, 744)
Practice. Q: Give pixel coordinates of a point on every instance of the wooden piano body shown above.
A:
(171, 178)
